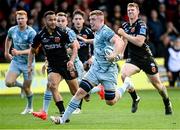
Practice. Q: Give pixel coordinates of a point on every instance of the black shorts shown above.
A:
(62, 70)
(148, 65)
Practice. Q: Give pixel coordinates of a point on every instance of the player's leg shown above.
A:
(12, 75)
(43, 114)
(155, 80)
(29, 96)
(80, 69)
(109, 81)
(99, 90)
(47, 99)
(85, 86)
(173, 79)
(129, 69)
(27, 88)
(53, 83)
(73, 86)
(81, 72)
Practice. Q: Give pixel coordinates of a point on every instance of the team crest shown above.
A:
(57, 39)
(132, 29)
(153, 69)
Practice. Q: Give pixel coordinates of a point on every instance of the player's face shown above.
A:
(132, 12)
(62, 21)
(94, 22)
(78, 21)
(50, 21)
(21, 20)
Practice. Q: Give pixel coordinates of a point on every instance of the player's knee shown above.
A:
(123, 76)
(109, 96)
(27, 89)
(130, 90)
(80, 93)
(73, 91)
(85, 85)
(9, 84)
(110, 103)
(156, 83)
(51, 85)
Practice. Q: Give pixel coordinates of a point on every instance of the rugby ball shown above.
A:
(108, 50)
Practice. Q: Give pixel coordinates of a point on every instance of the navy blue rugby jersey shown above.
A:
(137, 28)
(53, 45)
(86, 49)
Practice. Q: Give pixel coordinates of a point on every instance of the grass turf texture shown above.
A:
(96, 114)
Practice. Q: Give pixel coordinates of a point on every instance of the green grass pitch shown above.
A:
(96, 114)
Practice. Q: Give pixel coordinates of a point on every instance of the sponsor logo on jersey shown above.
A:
(45, 40)
(143, 30)
(153, 69)
(57, 39)
(132, 29)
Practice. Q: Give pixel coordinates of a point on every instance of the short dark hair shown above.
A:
(78, 11)
(49, 13)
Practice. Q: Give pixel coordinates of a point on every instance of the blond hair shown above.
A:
(133, 5)
(62, 14)
(97, 13)
(21, 12)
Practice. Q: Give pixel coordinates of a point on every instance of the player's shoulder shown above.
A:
(31, 30)
(43, 30)
(106, 29)
(87, 30)
(13, 28)
(141, 23)
(106, 32)
(69, 30)
(61, 31)
(125, 24)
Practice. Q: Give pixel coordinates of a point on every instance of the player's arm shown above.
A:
(74, 48)
(137, 40)
(70, 64)
(44, 67)
(125, 45)
(90, 41)
(118, 45)
(118, 48)
(77, 44)
(31, 56)
(33, 50)
(8, 43)
(16, 52)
